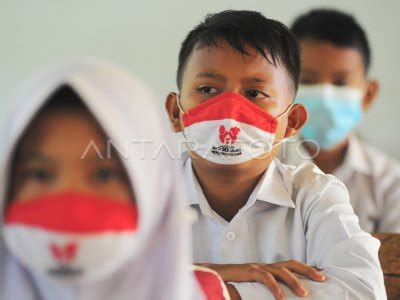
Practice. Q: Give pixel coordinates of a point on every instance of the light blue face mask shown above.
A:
(332, 112)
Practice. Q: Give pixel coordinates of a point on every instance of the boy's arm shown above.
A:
(347, 255)
(253, 280)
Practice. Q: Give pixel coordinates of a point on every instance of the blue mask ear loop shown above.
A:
(286, 110)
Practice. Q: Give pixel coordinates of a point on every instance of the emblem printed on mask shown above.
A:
(64, 255)
(228, 136)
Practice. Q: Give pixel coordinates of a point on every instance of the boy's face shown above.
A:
(323, 62)
(48, 159)
(214, 70)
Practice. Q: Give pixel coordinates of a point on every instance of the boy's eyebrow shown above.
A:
(254, 79)
(341, 73)
(208, 74)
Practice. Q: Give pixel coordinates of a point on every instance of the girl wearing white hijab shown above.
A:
(113, 248)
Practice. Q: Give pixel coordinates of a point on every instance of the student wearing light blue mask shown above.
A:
(337, 91)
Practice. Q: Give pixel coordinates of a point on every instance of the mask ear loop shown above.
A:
(178, 102)
(284, 139)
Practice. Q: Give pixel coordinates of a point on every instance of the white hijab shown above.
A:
(124, 108)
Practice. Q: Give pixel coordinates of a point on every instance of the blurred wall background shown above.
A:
(144, 37)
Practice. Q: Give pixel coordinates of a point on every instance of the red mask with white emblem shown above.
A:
(229, 129)
(70, 236)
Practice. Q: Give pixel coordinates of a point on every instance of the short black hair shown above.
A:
(333, 26)
(241, 28)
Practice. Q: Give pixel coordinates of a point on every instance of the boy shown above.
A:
(259, 220)
(337, 92)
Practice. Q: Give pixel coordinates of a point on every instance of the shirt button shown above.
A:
(230, 236)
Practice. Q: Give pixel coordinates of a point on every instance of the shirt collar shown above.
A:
(355, 158)
(192, 185)
(271, 188)
(195, 193)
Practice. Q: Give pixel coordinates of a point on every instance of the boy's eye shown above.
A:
(254, 94)
(38, 174)
(207, 90)
(340, 82)
(106, 175)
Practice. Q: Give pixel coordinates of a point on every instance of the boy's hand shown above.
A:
(269, 274)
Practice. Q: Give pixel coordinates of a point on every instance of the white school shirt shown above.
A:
(295, 213)
(371, 177)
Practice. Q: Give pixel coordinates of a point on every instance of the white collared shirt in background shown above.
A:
(372, 179)
(294, 213)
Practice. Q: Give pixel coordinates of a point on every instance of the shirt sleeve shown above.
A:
(347, 255)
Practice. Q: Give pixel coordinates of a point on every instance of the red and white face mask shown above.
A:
(71, 237)
(229, 129)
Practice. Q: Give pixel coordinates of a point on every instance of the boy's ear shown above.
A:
(173, 111)
(370, 95)
(296, 119)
